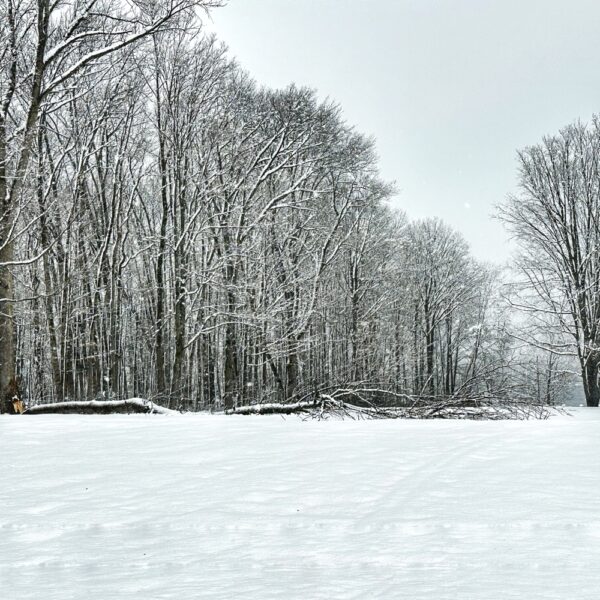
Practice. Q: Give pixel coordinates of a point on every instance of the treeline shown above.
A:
(186, 235)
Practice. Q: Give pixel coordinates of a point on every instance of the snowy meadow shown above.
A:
(199, 506)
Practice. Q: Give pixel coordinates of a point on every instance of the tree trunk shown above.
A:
(430, 349)
(230, 396)
(8, 381)
(159, 343)
(590, 383)
(292, 369)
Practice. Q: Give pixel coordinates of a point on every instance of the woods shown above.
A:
(52, 53)
(172, 230)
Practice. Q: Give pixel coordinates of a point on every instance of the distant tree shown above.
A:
(442, 278)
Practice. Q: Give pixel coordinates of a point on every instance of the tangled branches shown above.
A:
(369, 403)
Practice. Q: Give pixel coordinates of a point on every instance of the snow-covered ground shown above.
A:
(188, 507)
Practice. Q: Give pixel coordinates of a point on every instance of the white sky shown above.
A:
(449, 88)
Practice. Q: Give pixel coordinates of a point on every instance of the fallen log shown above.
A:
(100, 407)
(273, 409)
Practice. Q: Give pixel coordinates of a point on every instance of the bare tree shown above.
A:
(556, 220)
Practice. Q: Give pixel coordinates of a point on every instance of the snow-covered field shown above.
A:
(188, 507)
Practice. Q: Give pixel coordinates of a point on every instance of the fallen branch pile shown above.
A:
(354, 404)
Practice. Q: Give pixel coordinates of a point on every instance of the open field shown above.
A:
(187, 507)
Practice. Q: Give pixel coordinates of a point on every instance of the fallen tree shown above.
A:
(274, 408)
(358, 404)
(100, 407)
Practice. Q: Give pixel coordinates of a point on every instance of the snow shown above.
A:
(186, 507)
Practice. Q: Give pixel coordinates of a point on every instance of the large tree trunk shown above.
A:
(9, 191)
(9, 392)
(7, 342)
(590, 382)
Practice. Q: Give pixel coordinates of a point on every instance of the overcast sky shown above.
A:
(449, 88)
